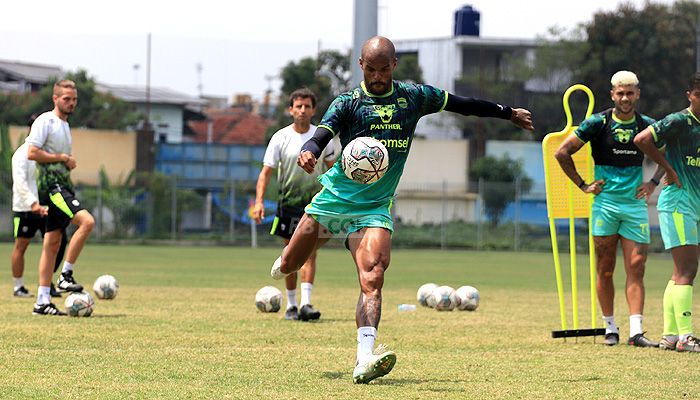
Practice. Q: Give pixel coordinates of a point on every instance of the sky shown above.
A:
(232, 47)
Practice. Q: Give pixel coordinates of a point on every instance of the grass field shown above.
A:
(184, 325)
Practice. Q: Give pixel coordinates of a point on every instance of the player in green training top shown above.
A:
(679, 212)
(389, 111)
(619, 209)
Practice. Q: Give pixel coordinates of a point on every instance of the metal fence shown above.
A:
(480, 215)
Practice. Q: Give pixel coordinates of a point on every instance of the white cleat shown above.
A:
(379, 364)
(276, 271)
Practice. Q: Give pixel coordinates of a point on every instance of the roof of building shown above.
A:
(231, 126)
(33, 72)
(158, 95)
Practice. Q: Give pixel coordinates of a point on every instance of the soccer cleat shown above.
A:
(292, 313)
(611, 339)
(67, 283)
(691, 345)
(639, 340)
(276, 271)
(308, 313)
(666, 344)
(53, 292)
(379, 364)
(46, 309)
(22, 292)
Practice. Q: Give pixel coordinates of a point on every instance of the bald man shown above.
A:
(619, 213)
(386, 110)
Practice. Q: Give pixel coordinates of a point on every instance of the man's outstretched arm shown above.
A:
(521, 117)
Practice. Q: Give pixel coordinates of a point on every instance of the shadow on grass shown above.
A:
(109, 316)
(384, 381)
(581, 379)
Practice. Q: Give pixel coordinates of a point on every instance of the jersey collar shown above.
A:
(387, 94)
(620, 121)
(693, 115)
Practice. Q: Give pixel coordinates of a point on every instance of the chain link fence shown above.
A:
(479, 215)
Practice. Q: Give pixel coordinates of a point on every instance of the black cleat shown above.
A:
(308, 313)
(53, 292)
(47, 309)
(22, 292)
(292, 313)
(639, 340)
(611, 339)
(67, 283)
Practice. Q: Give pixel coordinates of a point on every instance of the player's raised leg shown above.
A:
(371, 251)
(308, 236)
(85, 222)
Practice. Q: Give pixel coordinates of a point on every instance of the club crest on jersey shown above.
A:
(402, 102)
(385, 112)
(623, 135)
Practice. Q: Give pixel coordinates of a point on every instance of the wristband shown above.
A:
(582, 184)
(654, 181)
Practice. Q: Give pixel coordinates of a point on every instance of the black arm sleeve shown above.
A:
(480, 108)
(318, 142)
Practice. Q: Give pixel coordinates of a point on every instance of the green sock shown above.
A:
(682, 307)
(670, 327)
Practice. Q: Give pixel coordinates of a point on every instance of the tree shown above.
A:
(408, 69)
(95, 109)
(327, 76)
(500, 177)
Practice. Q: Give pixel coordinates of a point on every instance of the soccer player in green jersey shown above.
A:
(619, 209)
(387, 110)
(679, 212)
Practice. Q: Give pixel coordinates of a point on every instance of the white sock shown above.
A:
(19, 282)
(671, 338)
(610, 326)
(291, 298)
(635, 324)
(366, 335)
(306, 289)
(67, 267)
(43, 295)
(684, 337)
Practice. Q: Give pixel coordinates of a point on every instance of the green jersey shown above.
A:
(617, 160)
(390, 118)
(680, 132)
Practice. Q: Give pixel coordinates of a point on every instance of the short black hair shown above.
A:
(694, 82)
(302, 93)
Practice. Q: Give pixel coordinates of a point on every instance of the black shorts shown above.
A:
(286, 222)
(62, 208)
(27, 223)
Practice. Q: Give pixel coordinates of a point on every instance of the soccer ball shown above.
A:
(468, 298)
(424, 294)
(268, 299)
(444, 298)
(106, 287)
(365, 160)
(79, 304)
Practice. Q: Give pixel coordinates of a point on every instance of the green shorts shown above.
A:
(342, 217)
(678, 229)
(629, 220)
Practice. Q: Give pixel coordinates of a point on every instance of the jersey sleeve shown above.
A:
(590, 128)
(434, 99)
(272, 153)
(39, 132)
(336, 117)
(667, 128)
(20, 184)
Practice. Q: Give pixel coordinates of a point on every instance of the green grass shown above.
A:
(184, 325)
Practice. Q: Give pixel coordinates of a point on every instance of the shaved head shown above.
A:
(378, 46)
(378, 61)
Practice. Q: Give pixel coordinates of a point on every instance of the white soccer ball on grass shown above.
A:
(424, 293)
(106, 287)
(268, 299)
(444, 298)
(79, 304)
(468, 298)
(365, 160)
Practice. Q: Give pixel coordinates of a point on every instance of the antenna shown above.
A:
(199, 69)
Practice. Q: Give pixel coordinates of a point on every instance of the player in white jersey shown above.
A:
(50, 145)
(296, 188)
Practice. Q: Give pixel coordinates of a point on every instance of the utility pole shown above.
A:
(365, 26)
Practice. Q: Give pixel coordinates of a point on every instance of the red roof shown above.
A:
(232, 126)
